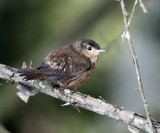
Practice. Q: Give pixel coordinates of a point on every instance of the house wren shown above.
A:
(69, 66)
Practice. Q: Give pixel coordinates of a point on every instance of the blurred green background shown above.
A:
(31, 29)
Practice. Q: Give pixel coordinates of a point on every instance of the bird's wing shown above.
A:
(55, 69)
(80, 65)
(64, 65)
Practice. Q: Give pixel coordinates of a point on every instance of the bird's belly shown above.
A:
(78, 80)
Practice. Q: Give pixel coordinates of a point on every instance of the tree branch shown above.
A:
(126, 34)
(3, 130)
(30, 88)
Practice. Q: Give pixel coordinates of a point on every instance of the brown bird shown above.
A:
(69, 66)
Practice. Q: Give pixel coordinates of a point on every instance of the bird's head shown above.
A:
(88, 48)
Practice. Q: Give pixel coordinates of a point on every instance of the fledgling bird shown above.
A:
(69, 66)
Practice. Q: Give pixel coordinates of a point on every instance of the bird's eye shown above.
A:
(89, 48)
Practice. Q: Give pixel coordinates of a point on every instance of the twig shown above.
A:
(142, 6)
(128, 36)
(130, 18)
(77, 99)
(132, 13)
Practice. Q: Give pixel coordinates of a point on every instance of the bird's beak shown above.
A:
(102, 50)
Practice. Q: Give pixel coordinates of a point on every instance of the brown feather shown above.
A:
(31, 73)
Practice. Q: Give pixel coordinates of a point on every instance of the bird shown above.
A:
(69, 66)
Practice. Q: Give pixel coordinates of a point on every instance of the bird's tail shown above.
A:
(31, 73)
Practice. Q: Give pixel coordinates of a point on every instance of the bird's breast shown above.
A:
(79, 79)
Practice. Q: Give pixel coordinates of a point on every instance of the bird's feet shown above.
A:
(74, 90)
